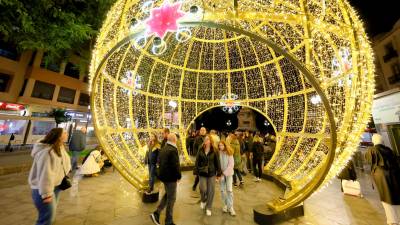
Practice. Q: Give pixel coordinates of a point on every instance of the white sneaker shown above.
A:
(225, 209)
(202, 205)
(232, 212)
(259, 179)
(255, 179)
(208, 212)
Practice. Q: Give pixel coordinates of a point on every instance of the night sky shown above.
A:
(378, 15)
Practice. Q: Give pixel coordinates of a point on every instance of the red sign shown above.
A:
(11, 106)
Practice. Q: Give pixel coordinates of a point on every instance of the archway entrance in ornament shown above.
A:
(142, 83)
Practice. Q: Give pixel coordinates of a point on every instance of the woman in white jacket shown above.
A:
(227, 164)
(50, 165)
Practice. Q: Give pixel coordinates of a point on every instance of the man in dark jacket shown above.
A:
(165, 137)
(169, 174)
(76, 145)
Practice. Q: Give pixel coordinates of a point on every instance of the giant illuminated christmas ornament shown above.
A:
(306, 65)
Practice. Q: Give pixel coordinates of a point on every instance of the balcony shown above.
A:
(394, 79)
(391, 54)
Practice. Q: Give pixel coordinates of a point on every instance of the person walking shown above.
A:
(198, 142)
(248, 141)
(385, 172)
(76, 145)
(151, 158)
(233, 143)
(209, 170)
(227, 164)
(50, 165)
(215, 138)
(165, 134)
(257, 154)
(169, 175)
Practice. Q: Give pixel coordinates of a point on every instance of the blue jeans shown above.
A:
(74, 159)
(226, 191)
(47, 211)
(152, 176)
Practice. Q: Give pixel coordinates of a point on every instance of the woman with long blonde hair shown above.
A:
(227, 164)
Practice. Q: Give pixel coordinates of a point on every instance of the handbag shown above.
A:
(66, 181)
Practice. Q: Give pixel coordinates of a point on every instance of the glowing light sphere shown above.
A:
(275, 55)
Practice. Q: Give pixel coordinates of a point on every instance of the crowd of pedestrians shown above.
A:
(221, 159)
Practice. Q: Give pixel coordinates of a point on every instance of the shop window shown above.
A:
(42, 127)
(43, 90)
(71, 70)
(8, 127)
(84, 99)
(5, 81)
(66, 95)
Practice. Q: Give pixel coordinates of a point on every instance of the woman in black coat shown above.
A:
(208, 167)
(386, 175)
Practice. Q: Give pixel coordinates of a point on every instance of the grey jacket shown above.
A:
(78, 141)
(48, 169)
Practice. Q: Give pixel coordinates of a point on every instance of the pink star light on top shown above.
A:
(164, 19)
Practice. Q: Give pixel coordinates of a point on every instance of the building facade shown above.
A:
(387, 54)
(30, 89)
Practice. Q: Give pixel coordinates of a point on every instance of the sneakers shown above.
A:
(202, 205)
(259, 179)
(155, 217)
(232, 212)
(208, 212)
(235, 184)
(255, 179)
(225, 209)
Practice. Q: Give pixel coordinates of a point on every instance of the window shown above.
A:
(71, 70)
(32, 59)
(16, 127)
(390, 52)
(66, 95)
(43, 90)
(21, 93)
(53, 66)
(42, 127)
(5, 80)
(395, 68)
(84, 99)
(389, 47)
(8, 50)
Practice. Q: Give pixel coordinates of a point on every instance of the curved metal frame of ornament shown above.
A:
(277, 205)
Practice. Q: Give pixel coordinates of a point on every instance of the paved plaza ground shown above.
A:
(109, 199)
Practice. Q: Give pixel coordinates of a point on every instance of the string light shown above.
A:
(194, 68)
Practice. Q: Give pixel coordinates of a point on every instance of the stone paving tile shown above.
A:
(109, 199)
